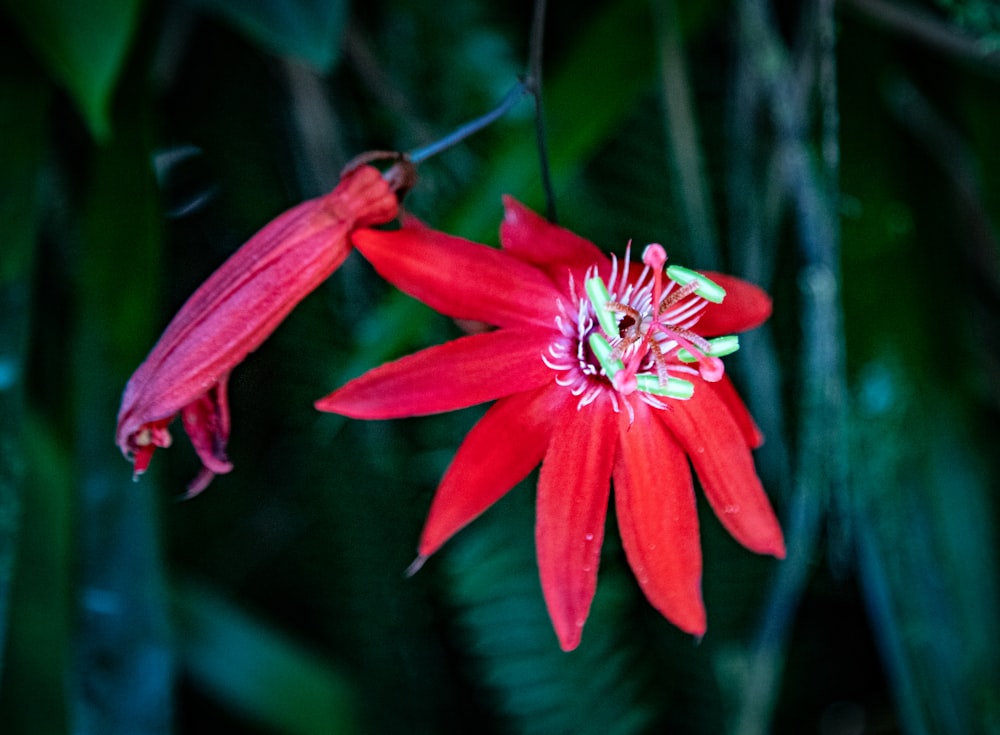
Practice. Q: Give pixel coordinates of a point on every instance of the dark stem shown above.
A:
(807, 184)
(534, 82)
(531, 84)
(689, 182)
(473, 126)
(922, 26)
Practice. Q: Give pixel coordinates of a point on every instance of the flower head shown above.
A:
(601, 369)
(235, 310)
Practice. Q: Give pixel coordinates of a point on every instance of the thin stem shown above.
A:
(535, 87)
(818, 474)
(681, 128)
(473, 126)
(830, 135)
(531, 84)
(911, 22)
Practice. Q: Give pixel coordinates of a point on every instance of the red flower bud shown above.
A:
(236, 309)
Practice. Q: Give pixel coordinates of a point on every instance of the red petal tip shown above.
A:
(697, 629)
(570, 640)
(201, 481)
(778, 550)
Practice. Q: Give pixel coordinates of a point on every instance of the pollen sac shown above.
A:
(672, 388)
(707, 288)
(718, 347)
(605, 355)
(599, 297)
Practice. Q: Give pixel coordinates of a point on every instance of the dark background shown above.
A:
(843, 155)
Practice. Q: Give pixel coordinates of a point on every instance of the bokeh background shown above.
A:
(844, 155)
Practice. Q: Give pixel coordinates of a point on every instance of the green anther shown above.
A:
(707, 288)
(718, 347)
(602, 350)
(598, 294)
(725, 345)
(674, 387)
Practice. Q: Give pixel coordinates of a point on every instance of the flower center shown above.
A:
(636, 337)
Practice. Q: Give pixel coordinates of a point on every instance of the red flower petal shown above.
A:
(532, 239)
(746, 306)
(500, 450)
(713, 441)
(457, 374)
(460, 278)
(573, 489)
(658, 519)
(206, 421)
(726, 391)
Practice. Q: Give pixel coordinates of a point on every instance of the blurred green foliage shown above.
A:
(843, 157)
(83, 46)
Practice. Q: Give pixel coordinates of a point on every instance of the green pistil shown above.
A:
(707, 288)
(718, 347)
(604, 354)
(599, 297)
(673, 388)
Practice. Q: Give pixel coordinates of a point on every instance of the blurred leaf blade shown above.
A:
(83, 45)
(34, 694)
(307, 30)
(935, 605)
(122, 668)
(22, 147)
(510, 648)
(256, 670)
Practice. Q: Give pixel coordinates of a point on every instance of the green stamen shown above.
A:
(717, 347)
(674, 387)
(599, 297)
(602, 350)
(707, 288)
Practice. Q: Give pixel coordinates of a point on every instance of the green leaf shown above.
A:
(83, 46)
(256, 670)
(307, 30)
(510, 649)
(22, 149)
(33, 697)
(120, 680)
(922, 519)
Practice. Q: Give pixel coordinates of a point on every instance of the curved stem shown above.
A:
(473, 126)
(531, 84)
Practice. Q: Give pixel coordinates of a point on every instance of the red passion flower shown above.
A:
(601, 369)
(236, 309)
